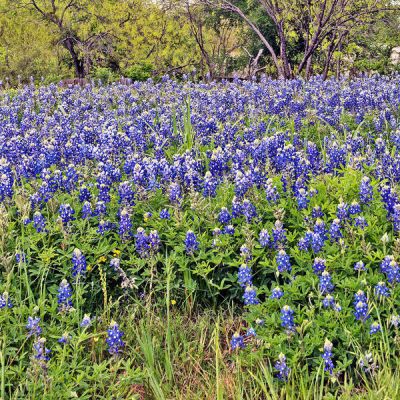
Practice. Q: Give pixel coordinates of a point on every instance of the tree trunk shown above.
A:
(78, 63)
(287, 70)
(309, 68)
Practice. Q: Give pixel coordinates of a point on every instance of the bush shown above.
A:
(140, 71)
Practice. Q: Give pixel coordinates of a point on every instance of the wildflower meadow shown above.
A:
(201, 240)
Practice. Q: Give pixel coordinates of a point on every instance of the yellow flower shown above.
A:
(116, 252)
(102, 259)
(173, 302)
(89, 268)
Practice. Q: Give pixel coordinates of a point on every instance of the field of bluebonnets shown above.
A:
(231, 240)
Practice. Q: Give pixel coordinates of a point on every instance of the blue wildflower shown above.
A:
(282, 368)
(287, 318)
(33, 326)
(276, 293)
(245, 275)
(114, 339)
(375, 328)
(164, 214)
(381, 290)
(283, 262)
(78, 263)
(325, 283)
(237, 341)
(250, 296)
(191, 243)
(64, 296)
(327, 356)
(5, 301)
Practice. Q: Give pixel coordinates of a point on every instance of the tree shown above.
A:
(77, 25)
(312, 22)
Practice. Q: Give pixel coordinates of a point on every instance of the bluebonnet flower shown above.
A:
(78, 263)
(250, 296)
(360, 222)
(359, 266)
(164, 214)
(104, 226)
(319, 265)
(319, 229)
(245, 277)
(279, 234)
(236, 208)
(375, 328)
(33, 326)
(20, 257)
(86, 210)
(282, 368)
(327, 356)
(245, 252)
(325, 283)
(283, 262)
(64, 296)
(306, 241)
(393, 272)
(271, 192)
(390, 199)
(395, 320)
(142, 243)
(317, 212)
(342, 212)
(237, 341)
(39, 222)
(101, 208)
(381, 290)
(366, 190)
(86, 321)
(251, 332)
(277, 293)
(361, 311)
(387, 263)
(66, 213)
(328, 301)
(174, 193)
(154, 242)
(264, 238)
(317, 243)
(302, 199)
(354, 208)
(229, 230)
(5, 301)
(396, 218)
(287, 318)
(360, 296)
(224, 217)
(210, 185)
(248, 210)
(64, 339)
(334, 230)
(114, 339)
(125, 224)
(115, 263)
(191, 243)
(41, 353)
(84, 194)
(126, 194)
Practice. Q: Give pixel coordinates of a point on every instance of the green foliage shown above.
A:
(104, 74)
(140, 71)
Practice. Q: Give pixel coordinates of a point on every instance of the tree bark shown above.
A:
(78, 63)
